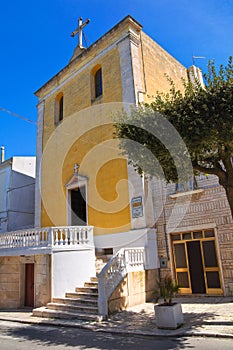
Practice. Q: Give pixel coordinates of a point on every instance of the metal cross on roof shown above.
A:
(79, 31)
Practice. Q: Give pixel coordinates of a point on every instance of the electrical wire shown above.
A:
(18, 116)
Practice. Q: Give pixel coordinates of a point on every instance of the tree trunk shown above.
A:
(229, 194)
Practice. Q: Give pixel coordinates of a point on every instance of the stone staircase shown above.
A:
(82, 304)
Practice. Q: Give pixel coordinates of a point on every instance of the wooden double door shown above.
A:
(196, 262)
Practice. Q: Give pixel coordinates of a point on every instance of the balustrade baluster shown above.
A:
(65, 236)
(69, 236)
(86, 235)
(56, 241)
(42, 237)
(76, 236)
(81, 236)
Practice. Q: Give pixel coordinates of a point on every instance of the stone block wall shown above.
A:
(136, 288)
(12, 280)
(9, 282)
(42, 279)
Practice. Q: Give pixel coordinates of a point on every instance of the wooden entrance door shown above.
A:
(29, 285)
(196, 267)
(78, 207)
(196, 262)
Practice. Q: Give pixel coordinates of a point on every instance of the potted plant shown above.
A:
(168, 314)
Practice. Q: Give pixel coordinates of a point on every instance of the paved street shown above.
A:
(16, 336)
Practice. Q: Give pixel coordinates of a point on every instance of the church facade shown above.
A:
(123, 67)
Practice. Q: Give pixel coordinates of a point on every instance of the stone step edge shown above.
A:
(82, 294)
(91, 290)
(44, 312)
(90, 285)
(75, 300)
(85, 307)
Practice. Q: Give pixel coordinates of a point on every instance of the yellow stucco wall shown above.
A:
(78, 97)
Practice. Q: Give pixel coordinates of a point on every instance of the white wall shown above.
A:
(70, 269)
(17, 193)
(135, 238)
(4, 184)
(25, 165)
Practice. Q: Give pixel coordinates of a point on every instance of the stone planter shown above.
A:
(168, 316)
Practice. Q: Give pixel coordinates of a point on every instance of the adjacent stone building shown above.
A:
(195, 236)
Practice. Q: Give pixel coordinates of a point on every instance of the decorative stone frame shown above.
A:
(75, 182)
(95, 98)
(59, 104)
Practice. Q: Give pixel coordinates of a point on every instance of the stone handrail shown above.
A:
(53, 237)
(124, 261)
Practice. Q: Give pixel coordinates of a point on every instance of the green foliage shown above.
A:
(167, 289)
(203, 116)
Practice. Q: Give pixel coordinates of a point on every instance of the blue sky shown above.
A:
(36, 44)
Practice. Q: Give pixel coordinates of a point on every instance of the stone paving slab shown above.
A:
(206, 316)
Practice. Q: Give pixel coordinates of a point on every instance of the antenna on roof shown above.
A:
(197, 57)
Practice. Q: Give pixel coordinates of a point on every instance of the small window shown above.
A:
(186, 236)
(197, 235)
(60, 113)
(98, 83)
(59, 108)
(175, 237)
(187, 186)
(209, 233)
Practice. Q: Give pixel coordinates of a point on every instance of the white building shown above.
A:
(17, 193)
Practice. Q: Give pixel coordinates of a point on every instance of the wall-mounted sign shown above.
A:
(137, 207)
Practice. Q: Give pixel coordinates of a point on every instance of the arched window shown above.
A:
(58, 117)
(60, 113)
(98, 83)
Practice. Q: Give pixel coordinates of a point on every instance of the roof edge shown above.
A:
(127, 18)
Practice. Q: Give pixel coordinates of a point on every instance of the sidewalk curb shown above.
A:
(94, 328)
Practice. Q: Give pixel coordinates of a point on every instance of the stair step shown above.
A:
(91, 284)
(103, 257)
(94, 279)
(82, 295)
(48, 313)
(84, 309)
(91, 290)
(76, 302)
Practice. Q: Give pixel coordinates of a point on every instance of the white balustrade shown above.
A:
(124, 261)
(50, 237)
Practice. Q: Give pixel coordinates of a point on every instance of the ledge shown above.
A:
(188, 193)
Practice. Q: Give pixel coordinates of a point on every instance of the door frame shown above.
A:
(77, 181)
(183, 240)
